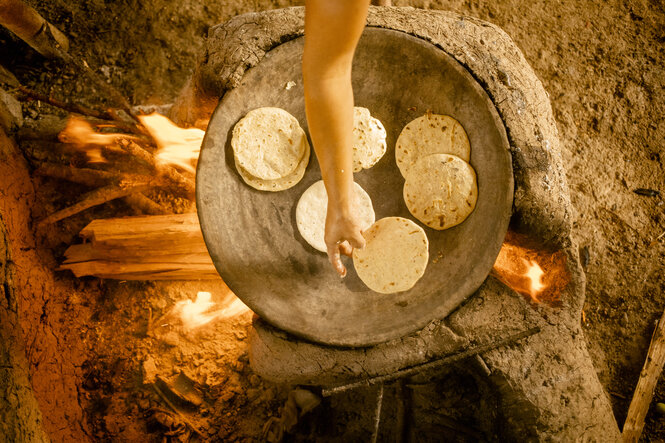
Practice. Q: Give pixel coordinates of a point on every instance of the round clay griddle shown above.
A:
(252, 235)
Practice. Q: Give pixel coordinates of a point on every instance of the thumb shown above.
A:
(357, 240)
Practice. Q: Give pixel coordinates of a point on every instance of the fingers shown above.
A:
(357, 240)
(335, 259)
(345, 248)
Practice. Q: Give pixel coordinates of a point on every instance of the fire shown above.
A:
(535, 273)
(203, 310)
(177, 146)
(80, 134)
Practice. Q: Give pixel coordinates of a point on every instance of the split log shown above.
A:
(653, 366)
(166, 247)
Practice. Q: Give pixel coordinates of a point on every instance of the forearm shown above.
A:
(332, 30)
(330, 117)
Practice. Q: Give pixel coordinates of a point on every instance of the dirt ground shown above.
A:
(602, 63)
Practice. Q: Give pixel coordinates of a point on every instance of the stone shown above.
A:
(11, 114)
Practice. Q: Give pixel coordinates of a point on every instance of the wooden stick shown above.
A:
(82, 110)
(53, 43)
(145, 205)
(377, 414)
(653, 366)
(31, 27)
(84, 176)
(187, 421)
(96, 177)
(437, 363)
(167, 171)
(97, 197)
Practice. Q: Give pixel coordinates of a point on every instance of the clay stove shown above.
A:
(546, 384)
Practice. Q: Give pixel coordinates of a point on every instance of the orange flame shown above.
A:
(535, 273)
(177, 146)
(80, 134)
(204, 310)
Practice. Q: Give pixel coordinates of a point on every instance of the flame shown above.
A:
(202, 311)
(177, 146)
(83, 137)
(535, 273)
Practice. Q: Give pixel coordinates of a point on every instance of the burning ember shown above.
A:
(204, 310)
(177, 146)
(537, 274)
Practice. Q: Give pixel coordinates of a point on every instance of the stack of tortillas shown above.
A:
(270, 149)
(312, 208)
(432, 153)
(394, 257)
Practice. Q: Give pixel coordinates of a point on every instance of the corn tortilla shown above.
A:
(394, 257)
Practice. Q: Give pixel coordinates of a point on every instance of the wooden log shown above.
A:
(31, 27)
(97, 197)
(145, 205)
(653, 366)
(166, 247)
(167, 171)
(85, 176)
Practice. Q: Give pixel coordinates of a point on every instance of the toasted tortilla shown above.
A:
(395, 255)
(279, 184)
(427, 135)
(268, 143)
(441, 190)
(369, 139)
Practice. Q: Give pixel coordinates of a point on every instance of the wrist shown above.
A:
(339, 209)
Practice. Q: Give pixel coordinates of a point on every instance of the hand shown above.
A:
(341, 236)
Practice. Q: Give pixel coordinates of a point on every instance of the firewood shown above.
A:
(167, 247)
(165, 170)
(182, 270)
(31, 27)
(653, 366)
(97, 197)
(171, 227)
(145, 205)
(84, 176)
(97, 177)
(28, 25)
(69, 107)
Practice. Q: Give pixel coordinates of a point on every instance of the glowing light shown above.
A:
(203, 310)
(176, 146)
(80, 134)
(535, 275)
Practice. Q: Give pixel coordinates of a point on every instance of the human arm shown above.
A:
(332, 31)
